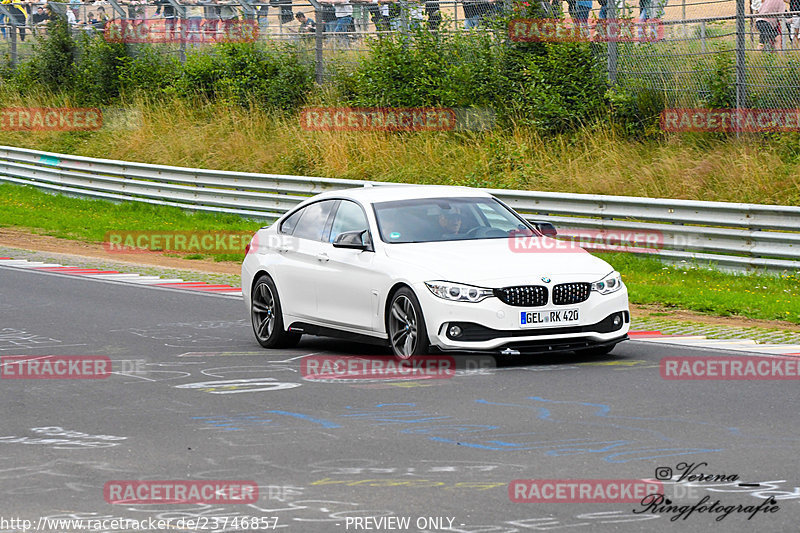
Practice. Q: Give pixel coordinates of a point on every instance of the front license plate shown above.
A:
(530, 319)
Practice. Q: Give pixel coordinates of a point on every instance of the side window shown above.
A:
(349, 217)
(287, 226)
(312, 223)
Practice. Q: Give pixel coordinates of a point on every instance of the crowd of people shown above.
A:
(779, 30)
(777, 24)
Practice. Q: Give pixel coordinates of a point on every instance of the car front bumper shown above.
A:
(493, 326)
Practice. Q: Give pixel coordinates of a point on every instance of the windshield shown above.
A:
(447, 219)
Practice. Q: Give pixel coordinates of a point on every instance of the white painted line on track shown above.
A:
(150, 282)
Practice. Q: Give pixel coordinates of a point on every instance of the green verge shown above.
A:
(649, 281)
(90, 220)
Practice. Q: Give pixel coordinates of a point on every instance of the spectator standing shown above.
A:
(475, 11)
(168, 12)
(38, 18)
(75, 6)
(768, 28)
(343, 10)
(361, 16)
(434, 14)
(18, 17)
(262, 15)
(794, 23)
(228, 16)
(380, 14)
(194, 20)
(306, 25)
(416, 13)
(136, 11)
(210, 19)
(328, 16)
(581, 18)
(285, 6)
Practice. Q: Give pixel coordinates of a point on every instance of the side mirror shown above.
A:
(356, 240)
(546, 229)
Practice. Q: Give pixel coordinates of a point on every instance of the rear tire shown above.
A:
(406, 325)
(267, 317)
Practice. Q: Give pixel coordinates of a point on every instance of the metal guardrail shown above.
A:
(729, 235)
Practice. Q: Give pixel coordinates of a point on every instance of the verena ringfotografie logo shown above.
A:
(55, 366)
(582, 490)
(50, 119)
(730, 120)
(204, 242)
(579, 240)
(176, 30)
(561, 31)
(729, 368)
(361, 367)
(177, 491)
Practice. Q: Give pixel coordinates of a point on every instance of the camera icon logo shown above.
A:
(663, 473)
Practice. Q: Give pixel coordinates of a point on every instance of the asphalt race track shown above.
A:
(193, 397)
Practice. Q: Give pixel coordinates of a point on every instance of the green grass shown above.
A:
(709, 291)
(90, 220)
(649, 281)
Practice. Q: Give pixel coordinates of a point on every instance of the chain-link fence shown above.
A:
(717, 53)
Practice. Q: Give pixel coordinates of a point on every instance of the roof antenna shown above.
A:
(368, 184)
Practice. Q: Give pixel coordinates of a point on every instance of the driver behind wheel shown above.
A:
(450, 221)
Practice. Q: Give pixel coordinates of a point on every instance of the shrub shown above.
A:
(97, 73)
(54, 59)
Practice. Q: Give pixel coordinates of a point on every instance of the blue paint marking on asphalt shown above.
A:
(603, 411)
(324, 423)
(678, 451)
(466, 444)
(544, 414)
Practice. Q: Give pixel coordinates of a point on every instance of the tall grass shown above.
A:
(596, 160)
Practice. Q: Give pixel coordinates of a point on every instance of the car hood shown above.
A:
(493, 262)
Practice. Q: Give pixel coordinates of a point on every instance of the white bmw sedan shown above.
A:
(428, 268)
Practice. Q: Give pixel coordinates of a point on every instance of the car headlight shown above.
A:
(610, 283)
(458, 292)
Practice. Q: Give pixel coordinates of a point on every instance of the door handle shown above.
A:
(323, 257)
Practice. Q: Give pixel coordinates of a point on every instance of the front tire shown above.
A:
(406, 325)
(267, 317)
